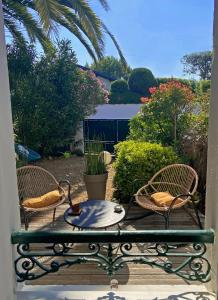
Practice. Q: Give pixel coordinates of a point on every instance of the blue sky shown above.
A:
(154, 33)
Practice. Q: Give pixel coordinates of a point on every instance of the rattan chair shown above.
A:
(35, 181)
(179, 180)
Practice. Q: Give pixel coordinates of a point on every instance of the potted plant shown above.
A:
(96, 174)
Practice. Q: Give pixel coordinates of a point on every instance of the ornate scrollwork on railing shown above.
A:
(188, 262)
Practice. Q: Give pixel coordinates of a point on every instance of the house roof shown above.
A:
(115, 112)
(98, 74)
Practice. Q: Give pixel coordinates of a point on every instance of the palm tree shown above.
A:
(39, 19)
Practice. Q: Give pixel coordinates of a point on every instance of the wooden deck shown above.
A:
(90, 274)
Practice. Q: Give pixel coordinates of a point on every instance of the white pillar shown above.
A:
(212, 168)
(9, 212)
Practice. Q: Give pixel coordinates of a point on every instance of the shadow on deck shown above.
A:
(131, 274)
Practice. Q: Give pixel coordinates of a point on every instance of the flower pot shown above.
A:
(96, 186)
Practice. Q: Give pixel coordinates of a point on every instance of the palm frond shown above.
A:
(41, 17)
(73, 28)
(88, 18)
(47, 10)
(14, 30)
(72, 18)
(33, 29)
(122, 58)
(104, 4)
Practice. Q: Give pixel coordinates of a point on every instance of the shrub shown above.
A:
(165, 115)
(194, 143)
(139, 160)
(119, 86)
(127, 97)
(204, 85)
(140, 80)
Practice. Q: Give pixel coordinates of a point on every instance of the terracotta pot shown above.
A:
(96, 186)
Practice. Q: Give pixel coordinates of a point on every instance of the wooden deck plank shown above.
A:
(130, 274)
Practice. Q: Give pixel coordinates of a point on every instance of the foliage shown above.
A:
(194, 142)
(139, 160)
(165, 115)
(126, 97)
(50, 95)
(37, 19)
(112, 67)
(199, 64)
(92, 91)
(119, 86)
(140, 80)
(94, 162)
(204, 86)
(189, 82)
(67, 154)
(120, 93)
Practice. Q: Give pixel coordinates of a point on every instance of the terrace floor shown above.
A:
(90, 274)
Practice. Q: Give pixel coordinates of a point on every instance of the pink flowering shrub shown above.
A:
(92, 91)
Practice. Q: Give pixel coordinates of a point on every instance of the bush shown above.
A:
(140, 80)
(127, 97)
(196, 150)
(139, 160)
(204, 86)
(119, 86)
(165, 115)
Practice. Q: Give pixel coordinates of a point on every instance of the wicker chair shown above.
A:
(35, 181)
(179, 180)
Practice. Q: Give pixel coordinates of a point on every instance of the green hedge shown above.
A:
(127, 97)
(137, 160)
(140, 80)
(119, 86)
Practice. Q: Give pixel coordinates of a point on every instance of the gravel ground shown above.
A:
(72, 169)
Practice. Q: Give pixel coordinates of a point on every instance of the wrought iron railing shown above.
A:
(111, 250)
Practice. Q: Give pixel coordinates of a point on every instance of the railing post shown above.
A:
(212, 166)
(9, 213)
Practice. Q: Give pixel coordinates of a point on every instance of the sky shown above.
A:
(154, 33)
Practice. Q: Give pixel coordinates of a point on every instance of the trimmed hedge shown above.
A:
(137, 160)
(119, 86)
(127, 97)
(140, 80)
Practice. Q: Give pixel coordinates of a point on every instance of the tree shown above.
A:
(199, 64)
(38, 19)
(50, 95)
(111, 67)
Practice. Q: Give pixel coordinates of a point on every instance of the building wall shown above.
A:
(106, 82)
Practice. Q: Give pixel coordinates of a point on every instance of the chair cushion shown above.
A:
(42, 201)
(164, 199)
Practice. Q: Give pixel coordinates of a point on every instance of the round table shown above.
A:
(95, 214)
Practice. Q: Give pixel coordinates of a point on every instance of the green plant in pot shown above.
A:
(96, 174)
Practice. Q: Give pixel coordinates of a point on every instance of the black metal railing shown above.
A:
(111, 250)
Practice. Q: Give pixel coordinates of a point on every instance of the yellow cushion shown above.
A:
(164, 199)
(42, 201)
